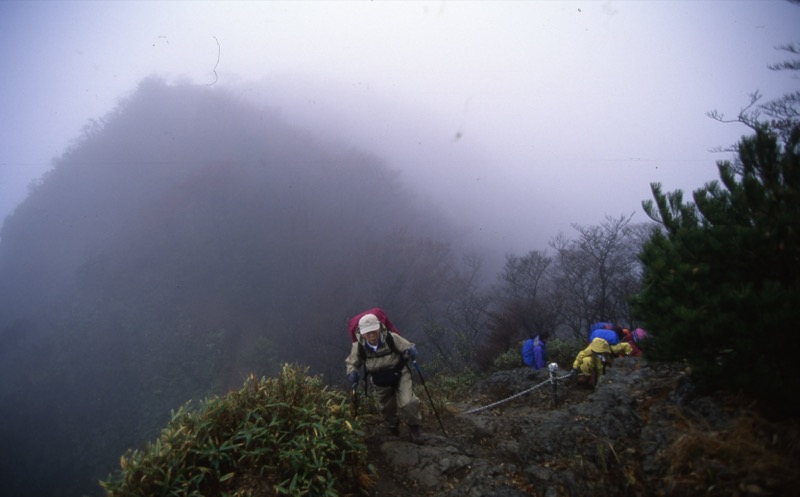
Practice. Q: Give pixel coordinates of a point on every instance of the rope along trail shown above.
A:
(553, 378)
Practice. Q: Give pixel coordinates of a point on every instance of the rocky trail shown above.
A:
(643, 431)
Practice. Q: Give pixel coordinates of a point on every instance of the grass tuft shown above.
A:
(288, 435)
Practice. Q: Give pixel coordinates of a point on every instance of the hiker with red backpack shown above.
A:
(634, 338)
(384, 354)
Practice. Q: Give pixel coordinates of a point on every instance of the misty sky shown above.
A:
(519, 118)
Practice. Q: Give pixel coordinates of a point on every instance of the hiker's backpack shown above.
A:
(609, 336)
(379, 313)
(601, 325)
(528, 352)
(534, 352)
(598, 326)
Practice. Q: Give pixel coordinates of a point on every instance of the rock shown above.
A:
(611, 440)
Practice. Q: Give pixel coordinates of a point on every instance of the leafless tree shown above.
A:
(598, 272)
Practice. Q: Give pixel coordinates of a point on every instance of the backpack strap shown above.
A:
(402, 362)
(362, 354)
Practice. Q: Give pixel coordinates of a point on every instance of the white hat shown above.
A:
(368, 323)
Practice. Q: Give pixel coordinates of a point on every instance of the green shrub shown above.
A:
(284, 436)
(448, 390)
(564, 352)
(510, 359)
(454, 387)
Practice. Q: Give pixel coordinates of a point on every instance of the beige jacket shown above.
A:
(382, 358)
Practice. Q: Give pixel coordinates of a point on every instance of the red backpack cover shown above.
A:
(379, 313)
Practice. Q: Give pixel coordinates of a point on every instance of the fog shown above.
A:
(518, 118)
(179, 246)
(191, 191)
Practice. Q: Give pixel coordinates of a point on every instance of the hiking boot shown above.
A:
(416, 434)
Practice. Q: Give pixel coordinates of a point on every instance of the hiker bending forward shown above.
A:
(385, 355)
(592, 361)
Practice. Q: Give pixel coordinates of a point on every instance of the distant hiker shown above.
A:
(591, 363)
(384, 355)
(610, 334)
(534, 352)
(632, 338)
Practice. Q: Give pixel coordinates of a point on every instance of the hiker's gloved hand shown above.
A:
(411, 353)
(353, 377)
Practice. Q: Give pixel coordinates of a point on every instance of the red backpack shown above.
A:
(382, 317)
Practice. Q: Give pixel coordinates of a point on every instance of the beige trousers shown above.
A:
(400, 403)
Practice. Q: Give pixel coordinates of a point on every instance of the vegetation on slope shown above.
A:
(288, 435)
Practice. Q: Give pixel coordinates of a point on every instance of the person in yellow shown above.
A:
(591, 362)
(384, 354)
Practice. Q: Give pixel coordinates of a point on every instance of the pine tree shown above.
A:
(721, 281)
(722, 278)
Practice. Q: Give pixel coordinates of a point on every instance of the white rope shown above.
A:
(552, 379)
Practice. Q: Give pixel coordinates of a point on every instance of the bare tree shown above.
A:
(456, 341)
(597, 273)
(575, 284)
(524, 293)
(523, 307)
(780, 115)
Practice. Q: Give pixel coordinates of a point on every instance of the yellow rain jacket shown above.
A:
(597, 355)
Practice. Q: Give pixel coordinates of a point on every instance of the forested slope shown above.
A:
(185, 240)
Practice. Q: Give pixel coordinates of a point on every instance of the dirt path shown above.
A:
(488, 447)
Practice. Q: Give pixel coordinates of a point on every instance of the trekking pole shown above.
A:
(354, 398)
(416, 366)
